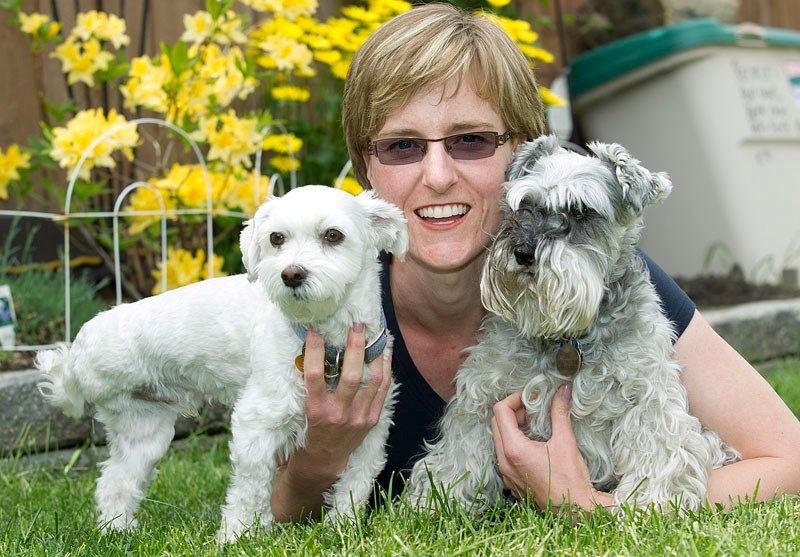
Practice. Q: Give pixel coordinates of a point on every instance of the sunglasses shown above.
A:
(462, 146)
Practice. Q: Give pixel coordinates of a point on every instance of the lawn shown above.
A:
(47, 509)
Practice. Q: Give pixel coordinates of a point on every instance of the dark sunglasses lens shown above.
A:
(399, 151)
(471, 146)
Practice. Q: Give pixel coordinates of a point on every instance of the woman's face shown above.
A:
(452, 206)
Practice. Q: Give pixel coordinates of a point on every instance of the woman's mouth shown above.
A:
(442, 214)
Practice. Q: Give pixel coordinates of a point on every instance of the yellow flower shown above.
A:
(350, 185)
(38, 25)
(329, 57)
(201, 27)
(286, 54)
(10, 163)
(290, 93)
(284, 164)
(551, 98)
(282, 143)
(232, 139)
(102, 26)
(291, 9)
(184, 268)
(536, 52)
(243, 196)
(146, 85)
(198, 27)
(498, 3)
(80, 61)
(70, 142)
(360, 14)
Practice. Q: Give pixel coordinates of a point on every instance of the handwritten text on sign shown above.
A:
(766, 89)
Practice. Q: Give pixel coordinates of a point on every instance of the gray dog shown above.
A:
(571, 300)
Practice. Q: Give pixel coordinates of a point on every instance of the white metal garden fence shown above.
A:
(275, 187)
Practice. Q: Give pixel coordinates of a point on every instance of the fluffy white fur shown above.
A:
(564, 267)
(142, 364)
(340, 287)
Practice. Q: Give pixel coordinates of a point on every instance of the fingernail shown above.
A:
(358, 327)
(566, 392)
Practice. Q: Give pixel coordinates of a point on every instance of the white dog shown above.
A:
(143, 364)
(570, 301)
(315, 257)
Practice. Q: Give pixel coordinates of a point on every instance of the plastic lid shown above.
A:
(603, 64)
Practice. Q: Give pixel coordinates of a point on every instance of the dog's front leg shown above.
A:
(660, 452)
(461, 463)
(264, 429)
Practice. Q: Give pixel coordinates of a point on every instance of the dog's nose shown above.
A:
(293, 276)
(524, 254)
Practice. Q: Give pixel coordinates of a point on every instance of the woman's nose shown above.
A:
(439, 171)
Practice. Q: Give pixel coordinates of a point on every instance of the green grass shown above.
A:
(46, 509)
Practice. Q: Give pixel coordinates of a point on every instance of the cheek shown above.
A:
(392, 183)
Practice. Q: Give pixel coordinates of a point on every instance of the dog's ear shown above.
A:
(640, 187)
(530, 152)
(251, 253)
(389, 226)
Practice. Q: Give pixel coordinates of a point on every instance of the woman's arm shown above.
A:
(725, 393)
(338, 421)
(730, 397)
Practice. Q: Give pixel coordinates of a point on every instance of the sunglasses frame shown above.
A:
(499, 139)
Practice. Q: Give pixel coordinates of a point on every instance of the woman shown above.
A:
(437, 73)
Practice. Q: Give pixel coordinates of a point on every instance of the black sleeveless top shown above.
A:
(419, 407)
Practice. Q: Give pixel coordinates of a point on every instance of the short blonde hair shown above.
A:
(426, 47)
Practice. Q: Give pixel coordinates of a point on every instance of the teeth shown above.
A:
(442, 211)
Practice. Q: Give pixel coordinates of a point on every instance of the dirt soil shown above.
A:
(707, 291)
(713, 291)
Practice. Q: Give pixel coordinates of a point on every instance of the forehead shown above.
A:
(567, 179)
(443, 110)
(315, 208)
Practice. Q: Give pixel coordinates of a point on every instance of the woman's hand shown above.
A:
(338, 421)
(551, 472)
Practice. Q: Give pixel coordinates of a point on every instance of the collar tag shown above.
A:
(569, 357)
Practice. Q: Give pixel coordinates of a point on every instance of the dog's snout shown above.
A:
(293, 276)
(524, 254)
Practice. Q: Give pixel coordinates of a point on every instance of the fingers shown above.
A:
(559, 412)
(313, 365)
(352, 369)
(363, 395)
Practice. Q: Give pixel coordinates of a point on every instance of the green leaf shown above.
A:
(178, 56)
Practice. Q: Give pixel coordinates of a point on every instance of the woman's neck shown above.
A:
(435, 300)
(439, 316)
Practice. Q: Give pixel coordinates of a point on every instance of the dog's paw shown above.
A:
(230, 532)
(116, 524)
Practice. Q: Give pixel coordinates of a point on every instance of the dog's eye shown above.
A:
(276, 239)
(333, 236)
(579, 213)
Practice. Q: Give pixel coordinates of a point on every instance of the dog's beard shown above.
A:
(558, 297)
(309, 303)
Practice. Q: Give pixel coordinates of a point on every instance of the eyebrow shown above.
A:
(461, 127)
